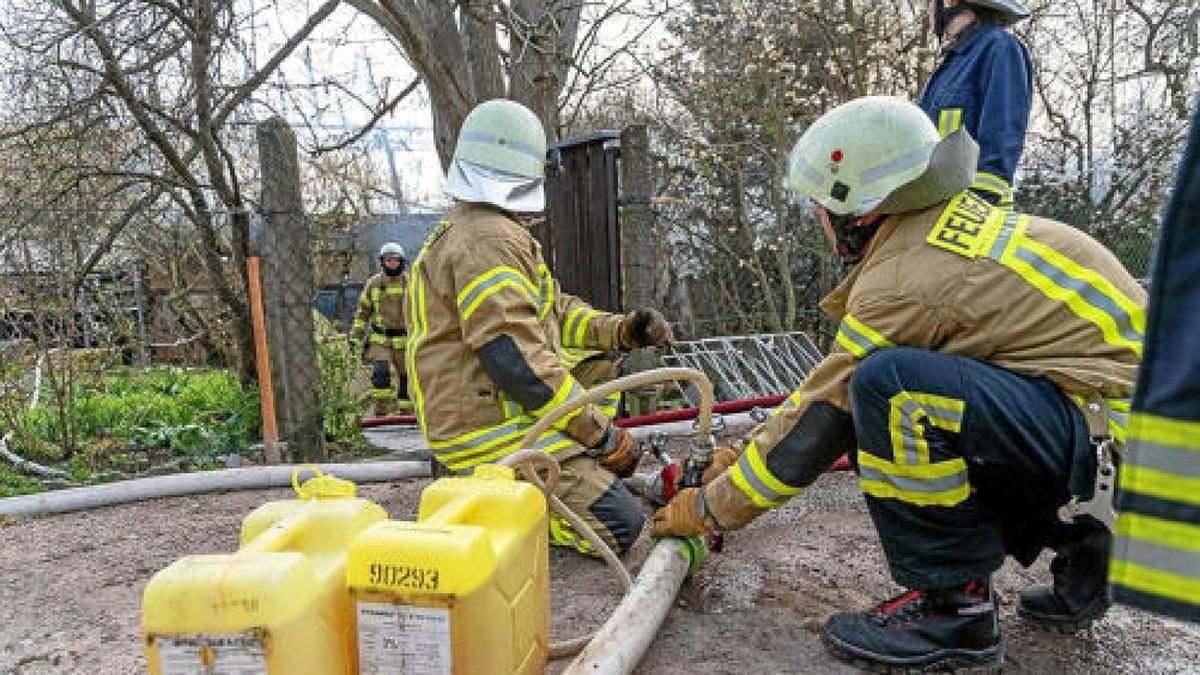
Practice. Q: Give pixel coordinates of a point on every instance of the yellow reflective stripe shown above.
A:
(1087, 294)
(567, 390)
(859, 339)
(394, 289)
(1161, 484)
(1169, 533)
(790, 403)
(935, 484)
(906, 430)
(572, 357)
(575, 326)
(545, 290)
(990, 182)
(1166, 431)
(489, 282)
(485, 445)
(949, 120)
(420, 323)
(1157, 556)
(751, 476)
(1154, 582)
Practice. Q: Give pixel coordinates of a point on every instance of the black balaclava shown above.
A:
(943, 15)
(853, 234)
(392, 272)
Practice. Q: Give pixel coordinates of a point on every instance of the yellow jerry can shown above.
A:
(464, 590)
(277, 606)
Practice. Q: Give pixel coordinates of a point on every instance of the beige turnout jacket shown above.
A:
(480, 276)
(966, 278)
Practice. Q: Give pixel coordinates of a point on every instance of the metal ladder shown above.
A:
(747, 366)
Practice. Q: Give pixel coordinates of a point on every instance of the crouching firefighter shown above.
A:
(381, 326)
(494, 338)
(981, 369)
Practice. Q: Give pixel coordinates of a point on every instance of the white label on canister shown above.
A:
(227, 654)
(403, 640)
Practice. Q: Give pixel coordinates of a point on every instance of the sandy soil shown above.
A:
(70, 591)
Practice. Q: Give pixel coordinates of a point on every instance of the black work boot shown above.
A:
(923, 630)
(1080, 592)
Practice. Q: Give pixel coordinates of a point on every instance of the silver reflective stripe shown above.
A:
(807, 170)
(899, 165)
(480, 137)
(1155, 556)
(909, 484)
(860, 340)
(1005, 235)
(1088, 292)
(909, 409)
(756, 482)
(1157, 457)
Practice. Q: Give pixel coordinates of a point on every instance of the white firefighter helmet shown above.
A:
(504, 136)
(391, 248)
(1011, 10)
(879, 154)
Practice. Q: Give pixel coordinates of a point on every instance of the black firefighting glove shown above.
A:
(644, 327)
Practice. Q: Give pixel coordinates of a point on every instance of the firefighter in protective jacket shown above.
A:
(981, 371)
(494, 337)
(984, 84)
(381, 325)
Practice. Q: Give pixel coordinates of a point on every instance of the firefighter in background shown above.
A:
(982, 369)
(381, 325)
(983, 83)
(494, 338)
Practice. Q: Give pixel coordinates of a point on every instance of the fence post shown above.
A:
(288, 288)
(641, 249)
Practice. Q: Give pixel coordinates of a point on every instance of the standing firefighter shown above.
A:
(381, 324)
(984, 84)
(494, 337)
(981, 367)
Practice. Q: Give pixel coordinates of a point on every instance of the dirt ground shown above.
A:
(71, 585)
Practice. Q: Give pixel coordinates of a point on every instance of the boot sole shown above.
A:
(989, 659)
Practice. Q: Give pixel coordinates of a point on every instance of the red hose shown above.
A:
(677, 415)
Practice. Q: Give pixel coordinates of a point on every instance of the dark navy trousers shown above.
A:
(963, 462)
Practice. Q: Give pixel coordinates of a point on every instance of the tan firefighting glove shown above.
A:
(723, 458)
(618, 451)
(644, 327)
(683, 516)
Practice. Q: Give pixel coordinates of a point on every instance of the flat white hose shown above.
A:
(177, 485)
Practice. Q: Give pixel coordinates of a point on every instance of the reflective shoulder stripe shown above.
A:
(751, 476)
(488, 283)
(937, 484)
(1086, 293)
(859, 339)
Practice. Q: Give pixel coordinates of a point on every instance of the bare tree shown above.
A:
(170, 76)
(470, 51)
